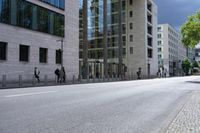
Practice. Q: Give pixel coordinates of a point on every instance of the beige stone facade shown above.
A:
(142, 49)
(14, 36)
(171, 51)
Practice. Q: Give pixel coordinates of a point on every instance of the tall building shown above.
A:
(197, 53)
(31, 33)
(120, 39)
(171, 51)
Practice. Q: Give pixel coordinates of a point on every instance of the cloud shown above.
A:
(175, 12)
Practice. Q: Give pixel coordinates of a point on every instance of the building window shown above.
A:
(30, 16)
(23, 53)
(43, 55)
(159, 43)
(131, 50)
(56, 3)
(150, 53)
(159, 35)
(131, 26)
(159, 56)
(130, 2)
(131, 38)
(149, 29)
(58, 56)
(159, 50)
(150, 41)
(131, 14)
(159, 29)
(3, 50)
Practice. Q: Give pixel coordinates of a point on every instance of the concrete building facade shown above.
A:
(138, 32)
(30, 37)
(171, 51)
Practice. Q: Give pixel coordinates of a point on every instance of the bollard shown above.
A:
(93, 79)
(34, 81)
(79, 78)
(20, 80)
(45, 79)
(4, 81)
(65, 79)
(73, 79)
(103, 78)
(88, 79)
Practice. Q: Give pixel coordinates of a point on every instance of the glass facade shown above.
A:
(27, 15)
(95, 29)
(56, 3)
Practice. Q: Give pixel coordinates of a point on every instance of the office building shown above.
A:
(171, 51)
(31, 33)
(120, 39)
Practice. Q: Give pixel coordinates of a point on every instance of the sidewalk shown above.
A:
(188, 118)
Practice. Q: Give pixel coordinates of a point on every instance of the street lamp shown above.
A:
(62, 42)
(148, 68)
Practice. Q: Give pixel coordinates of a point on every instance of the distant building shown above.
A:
(138, 25)
(171, 51)
(29, 34)
(197, 53)
(191, 54)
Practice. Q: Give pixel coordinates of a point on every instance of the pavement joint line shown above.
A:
(172, 115)
(29, 94)
(176, 120)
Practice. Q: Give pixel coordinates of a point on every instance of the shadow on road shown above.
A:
(195, 82)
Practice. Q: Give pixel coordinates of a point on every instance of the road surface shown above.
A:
(142, 106)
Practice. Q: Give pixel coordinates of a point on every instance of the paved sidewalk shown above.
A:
(188, 119)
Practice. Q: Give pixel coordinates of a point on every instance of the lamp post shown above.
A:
(62, 43)
(148, 68)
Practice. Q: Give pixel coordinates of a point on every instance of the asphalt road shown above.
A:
(145, 106)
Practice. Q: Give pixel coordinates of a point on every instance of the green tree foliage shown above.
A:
(186, 65)
(195, 64)
(191, 30)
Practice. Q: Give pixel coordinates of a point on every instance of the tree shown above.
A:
(195, 64)
(191, 30)
(186, 66)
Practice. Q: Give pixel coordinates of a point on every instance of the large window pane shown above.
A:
(23, 53)
(58, 56)
(4, 11)
(27, 15)
(3, 50)
(24, 14)
(56, 3)
(43, 55)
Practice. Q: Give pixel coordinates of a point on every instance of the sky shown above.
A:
(175, 12)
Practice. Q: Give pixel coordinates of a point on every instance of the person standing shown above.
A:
(62, 75)
(36, 74)
(139, 73)
(57, 73)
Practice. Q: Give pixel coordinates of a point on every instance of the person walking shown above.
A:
(62, 75)
(36, 74)
(57, 73)
(139, 73)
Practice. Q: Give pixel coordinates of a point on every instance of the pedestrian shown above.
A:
(62, 75)
(36, 74)
(165, 72)
(159, 73)
(57, 73)
(139, 73)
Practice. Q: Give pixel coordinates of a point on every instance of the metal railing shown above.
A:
(18, 81)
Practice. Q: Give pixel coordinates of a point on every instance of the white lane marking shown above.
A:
(28, 94)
